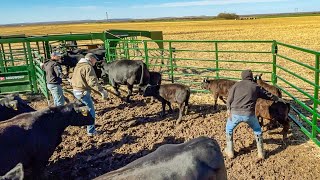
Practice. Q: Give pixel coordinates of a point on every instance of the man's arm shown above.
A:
(230, 97)
(58, 70)
(92, 80)
(264, 94)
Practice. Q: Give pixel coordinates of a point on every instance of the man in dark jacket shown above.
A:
(54, 76)
(241, 104)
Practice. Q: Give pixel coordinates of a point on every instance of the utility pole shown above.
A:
(107, 16)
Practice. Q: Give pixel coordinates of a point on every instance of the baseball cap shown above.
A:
(55, 53)
(91, 55)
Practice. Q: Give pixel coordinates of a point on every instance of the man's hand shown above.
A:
(41, 65)
(281, 100)
(104, 94)
(275, 98)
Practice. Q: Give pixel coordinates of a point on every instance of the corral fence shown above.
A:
(294, 70)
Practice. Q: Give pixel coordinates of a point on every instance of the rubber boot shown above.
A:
(261, 153)
(229, 148)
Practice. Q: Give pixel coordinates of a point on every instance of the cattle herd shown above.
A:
(28, 137)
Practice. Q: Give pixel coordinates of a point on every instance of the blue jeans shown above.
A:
(251, 120)
(57, 94)
(85, 97)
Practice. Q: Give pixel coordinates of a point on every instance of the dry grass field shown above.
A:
(128, 136)
(300, 31)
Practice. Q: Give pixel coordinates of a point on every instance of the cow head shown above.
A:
(257, 77)
(151, 90)
(205, 83)
(15, 174)
(82, 114)
(15, 103)
(104, 67)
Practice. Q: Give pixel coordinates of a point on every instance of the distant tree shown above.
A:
(228, 16)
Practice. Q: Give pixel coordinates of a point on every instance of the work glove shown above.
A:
(281, 100)
(275, 98)
(104, 94)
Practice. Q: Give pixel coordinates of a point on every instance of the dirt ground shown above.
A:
(130, 131)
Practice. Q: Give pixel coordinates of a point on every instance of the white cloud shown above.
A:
(203, 3)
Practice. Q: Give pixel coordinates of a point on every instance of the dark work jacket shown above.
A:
(243, 95)
(53, 72)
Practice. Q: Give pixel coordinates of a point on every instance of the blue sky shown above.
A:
(21, 11)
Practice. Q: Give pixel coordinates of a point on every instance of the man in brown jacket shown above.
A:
(84, 79)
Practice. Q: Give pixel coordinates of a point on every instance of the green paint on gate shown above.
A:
(188, 62)
(179, 61)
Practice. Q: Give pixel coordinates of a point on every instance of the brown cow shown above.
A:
(218, 87)
(275, 112)
(272, 89)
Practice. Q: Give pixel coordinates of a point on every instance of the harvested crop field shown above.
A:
(130, 131)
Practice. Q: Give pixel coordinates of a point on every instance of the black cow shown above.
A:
(155, 79)
(12, 105)
(126, 72)
(169, 93)
(70, 61)
(99, 52)
(15, 173)
(77, 51)
(274, 112)
(197, 159)
(31, 138)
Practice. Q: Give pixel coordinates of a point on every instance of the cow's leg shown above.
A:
(115, 86)
(216, 95)
(181, 108)
(170, 108)
(186, 107)
(221, 98)
(130, 87)
(140, 92)
(163, 113)
(285, 130)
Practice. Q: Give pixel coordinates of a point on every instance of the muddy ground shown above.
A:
(130, 131)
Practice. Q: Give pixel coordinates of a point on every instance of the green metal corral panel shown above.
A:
(154, 35)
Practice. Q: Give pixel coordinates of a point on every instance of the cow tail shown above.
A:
(142, 73)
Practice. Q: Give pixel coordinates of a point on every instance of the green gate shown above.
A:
(16, 67)
(293, 69)
(21, 55)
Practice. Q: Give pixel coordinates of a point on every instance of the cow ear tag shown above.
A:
(14, 107)
(84, 112)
